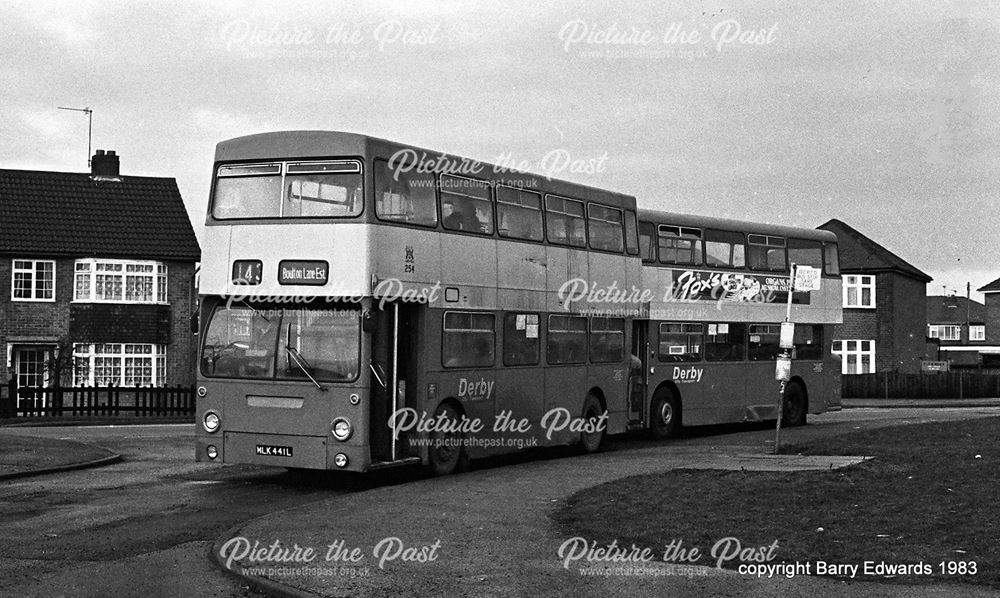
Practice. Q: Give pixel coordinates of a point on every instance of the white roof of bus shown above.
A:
(694, 221)
(313, 144)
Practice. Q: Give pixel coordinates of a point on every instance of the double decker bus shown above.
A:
(709, 340)
(366, 304)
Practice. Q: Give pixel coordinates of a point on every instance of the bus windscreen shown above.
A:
(248, 343)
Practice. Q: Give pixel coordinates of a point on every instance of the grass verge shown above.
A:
(928, 497)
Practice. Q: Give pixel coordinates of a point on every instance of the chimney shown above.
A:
(104, 164)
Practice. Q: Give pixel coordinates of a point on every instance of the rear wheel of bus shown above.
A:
(446, 453)
(664, 414)
(592, 436)
(794, 410)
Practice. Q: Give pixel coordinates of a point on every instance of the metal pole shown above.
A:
(395, 369)
(90, 126)
(784, 353)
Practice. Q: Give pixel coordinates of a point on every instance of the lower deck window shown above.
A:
(725, 341)
(566, 340)
(119, 364)
(607, 340)
(808, 342)
(680, 341)
(764, 342)
(520, 339)
(468, 340)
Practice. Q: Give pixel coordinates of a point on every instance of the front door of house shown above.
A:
(30, 371)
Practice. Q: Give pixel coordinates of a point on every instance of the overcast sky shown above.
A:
(884, 115)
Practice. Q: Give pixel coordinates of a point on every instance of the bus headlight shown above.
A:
(340, 460)
(211, 422)
(341, 429)
(211, 451)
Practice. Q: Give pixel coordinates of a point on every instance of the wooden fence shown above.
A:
(96, 401)
(942, 385)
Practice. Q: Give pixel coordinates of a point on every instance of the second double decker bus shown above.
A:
(709, 341)
(365, 303)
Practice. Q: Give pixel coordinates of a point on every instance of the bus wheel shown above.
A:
(664, 414)
(592, 436)
(794, 410)
(446, 452)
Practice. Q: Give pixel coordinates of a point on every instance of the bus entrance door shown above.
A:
(637, 375)
(393, 379)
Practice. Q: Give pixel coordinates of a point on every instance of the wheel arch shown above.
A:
(599, 394)
(671, 387)
(805, 389)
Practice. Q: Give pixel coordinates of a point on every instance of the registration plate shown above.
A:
(269, 450)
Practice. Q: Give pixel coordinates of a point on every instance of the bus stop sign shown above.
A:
(806, 278)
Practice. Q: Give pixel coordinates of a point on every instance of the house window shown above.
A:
(859, 291)
(120, 281)
(977, 333)
(946, 332)
(119, 364)
(856, 357)
(33, 280)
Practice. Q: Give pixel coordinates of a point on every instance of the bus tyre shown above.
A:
(664, 414)
(446, 453)
(592, 436)
(794, 409)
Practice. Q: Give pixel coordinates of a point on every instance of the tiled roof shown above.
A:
(954, 310)
(858, 253)
(75, 214)
(993, 287)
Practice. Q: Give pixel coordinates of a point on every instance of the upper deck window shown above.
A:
(404, 196)
(564, 221)
(726, 249)
(766, 252)
(831, 262)
(466, 205)
(314, 189)
(647, 249)
(519, 213)
(679, 245)
(631, 233)
(805, 253)
(606, 231)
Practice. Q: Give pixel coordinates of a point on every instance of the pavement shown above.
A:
(918, 403)
(22, 456)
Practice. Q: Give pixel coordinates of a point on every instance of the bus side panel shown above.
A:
(216, 271)
(519, 391)
(521, 275)
(612, 380)
(557, 274)
(566, 388)
(762, 389)
(409, 255)
(470, 263)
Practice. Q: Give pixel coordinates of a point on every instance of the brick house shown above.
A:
(958, 325)
(885, 310)
(991, 316)
(96, 278)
